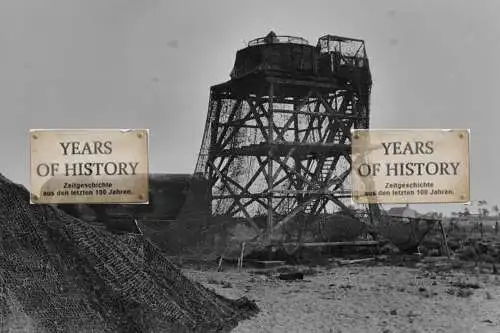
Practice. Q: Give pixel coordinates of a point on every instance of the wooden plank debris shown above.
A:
(267, 263)
(332, 244)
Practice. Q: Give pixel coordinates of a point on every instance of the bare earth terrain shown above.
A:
(365, 298)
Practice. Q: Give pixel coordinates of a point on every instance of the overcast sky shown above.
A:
(150, 63)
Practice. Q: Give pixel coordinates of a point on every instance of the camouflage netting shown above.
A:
(59, 274)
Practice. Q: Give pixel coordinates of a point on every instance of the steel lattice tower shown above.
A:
(277, 139)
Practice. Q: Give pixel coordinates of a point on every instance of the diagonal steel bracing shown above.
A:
(287, 162)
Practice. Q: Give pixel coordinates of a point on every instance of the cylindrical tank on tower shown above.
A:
(333, 56)
(276, 53)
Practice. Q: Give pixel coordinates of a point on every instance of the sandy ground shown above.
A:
(364, 298)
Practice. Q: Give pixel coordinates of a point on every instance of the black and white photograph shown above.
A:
(316, 166)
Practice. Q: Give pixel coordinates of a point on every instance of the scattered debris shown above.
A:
(224, 284)
(346, 286)
(266, 264)
(466, 285)
(291, 276)
(355, 261)
(464, 293)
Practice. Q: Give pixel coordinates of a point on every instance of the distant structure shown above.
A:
(405, 212)
(277, 138)
(172, 197)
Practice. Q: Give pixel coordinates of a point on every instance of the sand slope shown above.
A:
(59, 274)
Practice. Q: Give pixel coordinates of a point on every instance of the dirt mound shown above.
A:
(339, 228)
(60, 274)
(407, 236)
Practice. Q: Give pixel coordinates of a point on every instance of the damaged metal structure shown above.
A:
(277, 138)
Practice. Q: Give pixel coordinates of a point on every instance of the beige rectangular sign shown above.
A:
(89, 166)
(410, 166)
